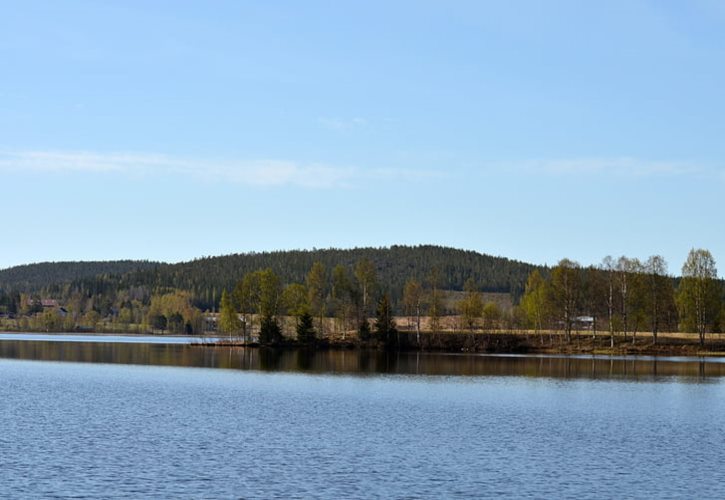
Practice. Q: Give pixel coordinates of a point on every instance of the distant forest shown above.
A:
(205, 279)
(276, 292)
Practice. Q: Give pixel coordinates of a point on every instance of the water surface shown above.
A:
(160, 421)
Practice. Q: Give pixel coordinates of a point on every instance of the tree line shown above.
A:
(620, 298)
(205, 278)
(626, 296)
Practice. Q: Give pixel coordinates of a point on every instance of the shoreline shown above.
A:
(512, 343)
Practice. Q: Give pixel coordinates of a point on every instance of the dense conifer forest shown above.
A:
(205, 278)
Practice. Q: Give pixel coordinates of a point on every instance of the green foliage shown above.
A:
(296, 299)
(699, 293)
(385, 328)
(534, 302)
(434, 299)
(316, 281)
(176, 323)
(565, 293)
(204, 279)
(229, 322)
(413, 295)
(364, 332)
(471, 306)
(270, 333)
(270, 293)
(491, 315)
(306, 333)
(175, 304)
(367, 278)
(34, 277)
(344, 296)
(158, 322)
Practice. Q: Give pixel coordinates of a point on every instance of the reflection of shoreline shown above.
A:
(521, 343)
(366, 362)
(99, 337)
(498, 342)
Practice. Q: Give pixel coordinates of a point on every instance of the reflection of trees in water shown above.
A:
(361, 361)
(305, 359)
(269, 359)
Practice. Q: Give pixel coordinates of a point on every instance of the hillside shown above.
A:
(35, 277)
(206, 277)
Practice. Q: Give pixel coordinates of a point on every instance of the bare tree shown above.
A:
(608, 266)
(656, 268)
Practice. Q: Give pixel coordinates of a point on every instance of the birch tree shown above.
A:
(698, 292)
(366, 278)
(534, 302)
(608, 266)
(316, 282)
(412, 301)
(471, 306)
(660, 292)
(565, 291)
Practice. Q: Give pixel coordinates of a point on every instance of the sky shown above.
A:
(532, 130)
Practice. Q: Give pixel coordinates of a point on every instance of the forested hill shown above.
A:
(206, 277)
(35, 277)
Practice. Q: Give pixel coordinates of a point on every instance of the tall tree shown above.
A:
(435, 300)
(270, 293)
(316, 282)
(296, 299)
(471, 306)
(413, 301)
(698, 294)
(342, 297)
(229, 322)
(609, 266)
(367, 278)
(660, 290)
(534, 302)
(594, 287)
(385, 328)
(246, 295)
(626, 270)
(306, 333)
(491, 316)
(565, 293)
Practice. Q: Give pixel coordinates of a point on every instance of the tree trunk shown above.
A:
(417, 323)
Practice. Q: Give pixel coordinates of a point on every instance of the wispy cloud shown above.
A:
(622, 166)
(249, 172)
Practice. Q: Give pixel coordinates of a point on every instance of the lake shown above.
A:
(156, 420)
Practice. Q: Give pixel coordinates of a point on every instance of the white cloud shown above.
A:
(249, 172)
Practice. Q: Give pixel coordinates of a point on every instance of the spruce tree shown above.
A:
(306, 333)
(364, 332)
(270, 332)
(385, 329)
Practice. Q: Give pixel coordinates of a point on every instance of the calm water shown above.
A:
(163, 420)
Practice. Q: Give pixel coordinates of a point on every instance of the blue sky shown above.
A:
(534, 130)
